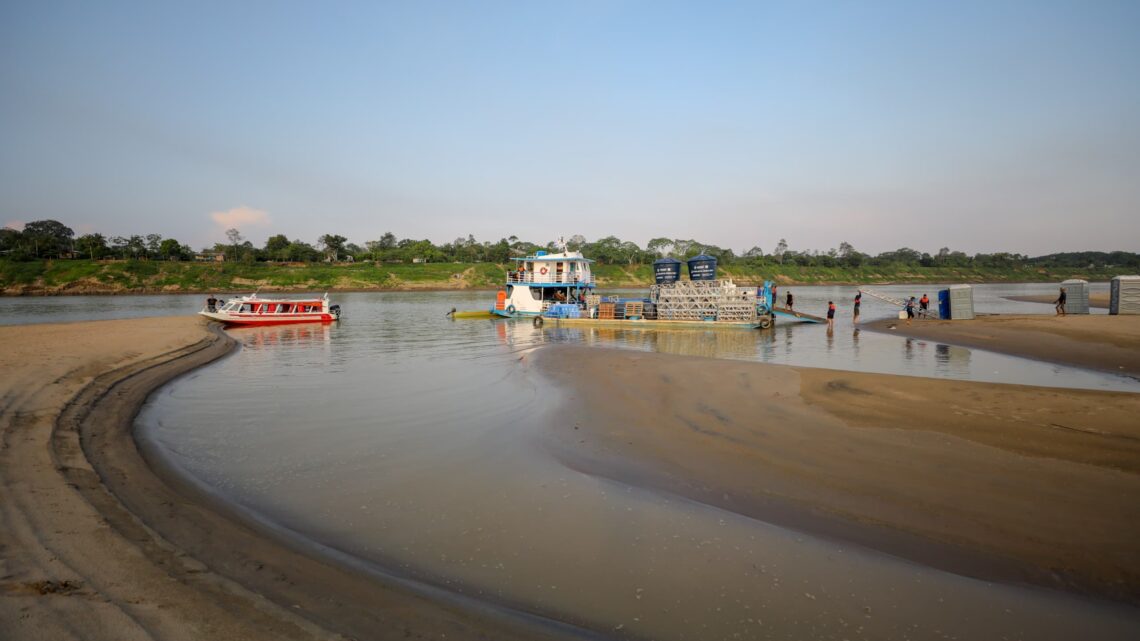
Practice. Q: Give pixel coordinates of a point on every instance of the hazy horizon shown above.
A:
(978, 126)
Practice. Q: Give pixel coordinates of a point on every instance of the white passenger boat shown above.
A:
(537, 282)
(254, 310)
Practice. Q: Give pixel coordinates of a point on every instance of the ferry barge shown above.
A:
(559, 287)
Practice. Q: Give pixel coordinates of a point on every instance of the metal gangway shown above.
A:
(899, 302)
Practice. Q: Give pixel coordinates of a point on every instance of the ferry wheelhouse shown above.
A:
(253, 310)
(542, 280)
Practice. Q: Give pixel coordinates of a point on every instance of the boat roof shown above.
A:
(308, 298)
(568, 256)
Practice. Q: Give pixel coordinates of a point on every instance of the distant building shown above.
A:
(419, 260)
(210, 257)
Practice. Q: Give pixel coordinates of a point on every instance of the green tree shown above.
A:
(170, 249)
(277, 247)
(332, 245)
(153, 245)
(93, 245)
(11, 243)
(660, 247)
(235, 237)
(48, 238)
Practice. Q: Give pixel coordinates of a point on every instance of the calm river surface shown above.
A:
(411, 443)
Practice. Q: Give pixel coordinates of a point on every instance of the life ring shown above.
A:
(761, 308)
(765, 322)
(543, 271)
(510, 309)
(538, 321)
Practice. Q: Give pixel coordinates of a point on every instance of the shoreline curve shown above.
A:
(157, 557)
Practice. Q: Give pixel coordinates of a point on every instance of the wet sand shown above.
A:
(1097, 300)
(1009, 483)
(1103, 343)
(97, 544)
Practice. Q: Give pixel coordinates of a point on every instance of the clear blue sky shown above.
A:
(982, 126)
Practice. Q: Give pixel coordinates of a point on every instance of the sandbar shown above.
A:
(1009, 483)
(97, 541)
(1097, 342)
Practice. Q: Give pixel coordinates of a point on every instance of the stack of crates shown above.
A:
(704, 300)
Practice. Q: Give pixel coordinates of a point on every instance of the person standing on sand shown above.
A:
(923, 304)
(909, 310)
(858, 301)
(789, 299)
(1060, 303)
(830, 315)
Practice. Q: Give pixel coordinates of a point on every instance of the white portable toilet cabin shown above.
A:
(961, 302)
(1124, 297)
(1076, 296)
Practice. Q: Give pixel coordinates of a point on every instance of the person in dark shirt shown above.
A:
(1060, 303)
(789, 299)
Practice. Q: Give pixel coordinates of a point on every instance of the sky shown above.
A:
(979, 126)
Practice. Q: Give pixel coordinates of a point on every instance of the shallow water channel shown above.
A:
(412, 443)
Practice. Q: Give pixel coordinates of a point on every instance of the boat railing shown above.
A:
(532, 278)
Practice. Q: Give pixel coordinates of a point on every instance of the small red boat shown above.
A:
(252, 310)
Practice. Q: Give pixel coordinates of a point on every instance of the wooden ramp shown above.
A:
(784, 312)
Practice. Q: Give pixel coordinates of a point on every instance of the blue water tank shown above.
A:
(667, 270)
(702, 268)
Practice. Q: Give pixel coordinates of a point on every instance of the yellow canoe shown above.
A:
(482, 313)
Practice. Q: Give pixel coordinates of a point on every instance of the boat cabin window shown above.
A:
(283, 309)
(247, 308)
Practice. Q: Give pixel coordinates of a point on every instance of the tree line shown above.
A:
(51, 239)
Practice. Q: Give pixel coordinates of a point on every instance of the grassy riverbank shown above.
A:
(54, 277)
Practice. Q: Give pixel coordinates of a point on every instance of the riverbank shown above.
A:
(99, 544)
(1007, 483)
(85, 277)
(1100, 342)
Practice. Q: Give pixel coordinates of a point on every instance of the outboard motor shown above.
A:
(335, 311)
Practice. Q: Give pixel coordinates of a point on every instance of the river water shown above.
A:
(411, 443)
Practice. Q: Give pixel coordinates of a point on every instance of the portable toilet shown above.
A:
(1076, 296)
(1124, 297)
(702, 268)
(944, 304)
(666, 270)
(961, 302)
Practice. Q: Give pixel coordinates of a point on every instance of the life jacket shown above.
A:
(831, 307)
